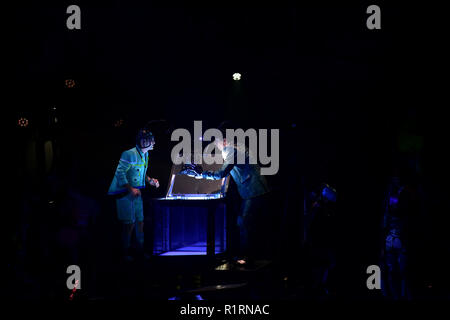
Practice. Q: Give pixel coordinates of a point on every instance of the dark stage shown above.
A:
(354, 209)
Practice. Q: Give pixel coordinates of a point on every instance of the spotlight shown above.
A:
(23, 122)
(118, 123)
(69, 83)
(236, 76)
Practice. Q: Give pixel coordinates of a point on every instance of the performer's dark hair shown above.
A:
(226, 124)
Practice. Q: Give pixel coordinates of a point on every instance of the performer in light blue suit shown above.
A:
(130, 177)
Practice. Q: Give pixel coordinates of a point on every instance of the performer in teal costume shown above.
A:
(130, 177)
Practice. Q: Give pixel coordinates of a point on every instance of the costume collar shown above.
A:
(141, 153)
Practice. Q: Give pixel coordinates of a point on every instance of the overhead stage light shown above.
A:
(118, 123)
(23, 122)
(69, 83)
(236, 76)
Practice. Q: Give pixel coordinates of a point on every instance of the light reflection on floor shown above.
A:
(196, 249)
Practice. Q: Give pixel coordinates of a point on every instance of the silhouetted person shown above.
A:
(321, 237)
(400, 226)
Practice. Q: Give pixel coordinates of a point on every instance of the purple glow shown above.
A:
(195, 196)
(184, 253)
(393, 201)
(197, 249)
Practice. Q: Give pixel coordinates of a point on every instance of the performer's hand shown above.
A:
(153, 182)
(192, 170)
(135, 192)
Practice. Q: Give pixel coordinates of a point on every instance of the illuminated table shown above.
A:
(191, 219)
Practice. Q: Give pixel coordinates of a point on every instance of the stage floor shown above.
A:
(195, 249)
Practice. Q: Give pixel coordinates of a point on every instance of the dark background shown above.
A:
(340, 94)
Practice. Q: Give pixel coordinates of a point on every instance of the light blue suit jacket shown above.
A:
(132, 169)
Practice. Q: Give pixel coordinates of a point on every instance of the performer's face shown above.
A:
(220, 144)
(149, 142)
